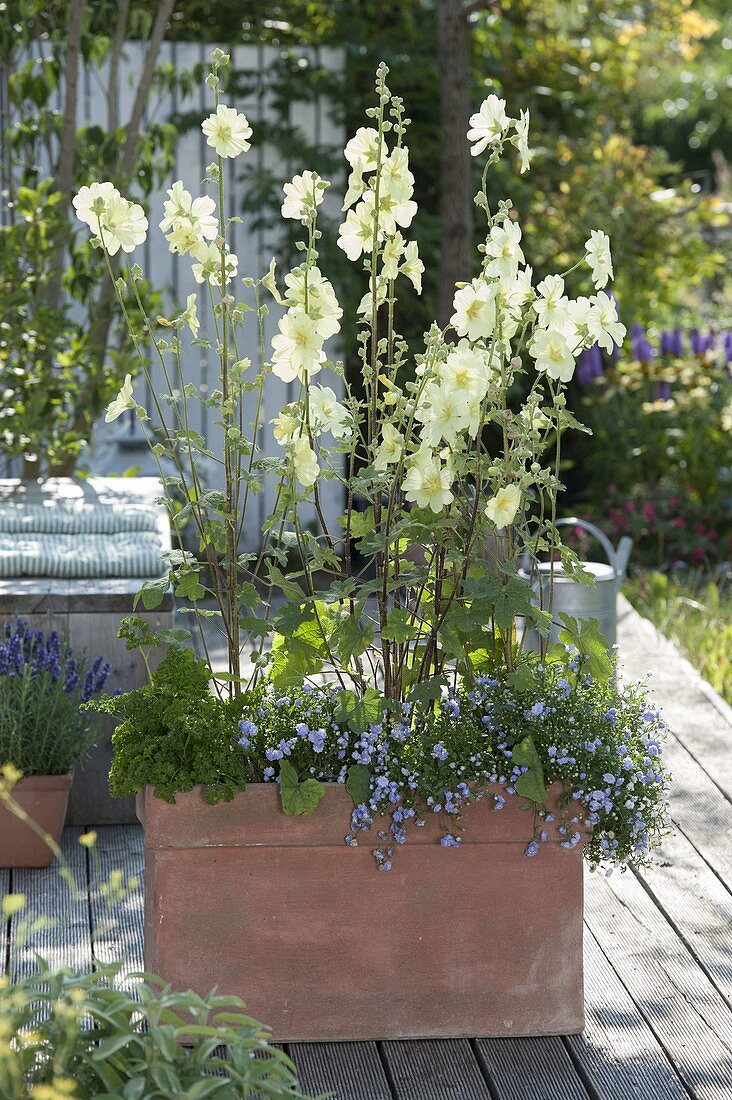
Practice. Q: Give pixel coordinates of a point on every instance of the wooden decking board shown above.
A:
(68, 941)
(700, 808)
(618, 1054)
(434, 1069)
(686, 1013)
(697, 905)
(118, 932)
(700, 720)
(5, 888)
(537, 1068)
(351, 1071)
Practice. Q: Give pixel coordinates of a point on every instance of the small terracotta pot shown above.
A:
(44, 798)
(475, 941)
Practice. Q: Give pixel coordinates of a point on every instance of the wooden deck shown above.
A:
(658, 946)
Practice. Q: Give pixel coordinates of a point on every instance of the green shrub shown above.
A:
(658, 461)
(66, 1036)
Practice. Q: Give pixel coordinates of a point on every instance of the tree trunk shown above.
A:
(455, 206)
(66, 165)
(102, 315)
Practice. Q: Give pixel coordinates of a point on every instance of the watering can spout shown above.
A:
(622, 555)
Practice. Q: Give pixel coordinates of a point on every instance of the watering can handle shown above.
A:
(617, 558)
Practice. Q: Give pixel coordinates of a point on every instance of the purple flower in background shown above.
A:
(667, 342)
(677, 347)
(698, 342)
(641, 347)
(589, 366)
(663, 391)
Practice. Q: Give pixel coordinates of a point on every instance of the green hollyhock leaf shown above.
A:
(357, 712)
(296, 797)
(521, 679)
(188, 587)
(591, 644)
(531, 783)
(350, 638)
(399, 626)
(358, 783)
(152, 593)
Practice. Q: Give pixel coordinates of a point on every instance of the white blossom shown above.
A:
(488, 125)
(89, 202)
(552, 353)
(227, 131)
(521, 140)
(467, 371)
(356, 234)
(552, 305)
(123, 225)
(302, 195)
(475, 310)
(207, 268)
(298, 347)
(603, 324)
(427, 483)
(412, 266)
(305, 462)
(391, 447)
(356, 185)
(598, 257)
(442, 413)
(502, 507)
(322, 304)
(123, 401)
(505, 251)
(363, 148)
(182, 212)
(284, 427)
(327, 413)
(190, 316)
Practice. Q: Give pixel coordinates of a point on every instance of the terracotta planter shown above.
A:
(476, 941)
(44, 798)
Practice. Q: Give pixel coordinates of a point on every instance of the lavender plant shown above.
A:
(42, 685)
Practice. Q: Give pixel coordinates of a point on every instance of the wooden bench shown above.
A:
(87, 613)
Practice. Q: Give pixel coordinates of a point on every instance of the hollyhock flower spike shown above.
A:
(368, 533)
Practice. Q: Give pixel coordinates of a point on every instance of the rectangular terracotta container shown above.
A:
(473, 941)
(44, 798)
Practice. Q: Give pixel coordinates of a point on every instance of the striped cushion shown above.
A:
(125, 554)
(77, 517)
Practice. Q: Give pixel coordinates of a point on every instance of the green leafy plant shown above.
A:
(67, 1036)
(174, 733)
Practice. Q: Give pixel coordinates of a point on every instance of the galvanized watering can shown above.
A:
(579, 600)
